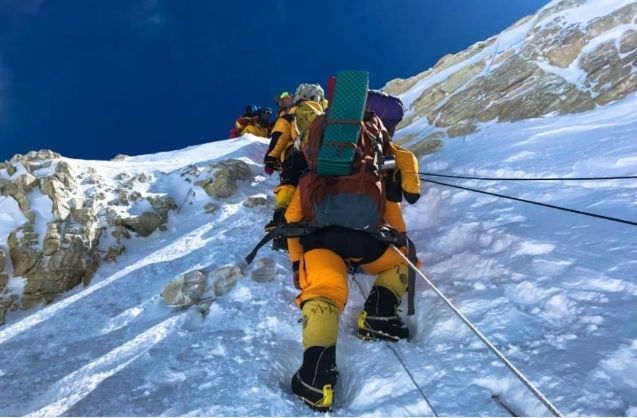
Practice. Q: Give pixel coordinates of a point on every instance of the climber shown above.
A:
(255, 121)
(321, 258)
(282, 155)
(283, 102)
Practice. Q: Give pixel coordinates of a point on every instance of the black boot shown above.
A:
(380, 319)
(315, 380)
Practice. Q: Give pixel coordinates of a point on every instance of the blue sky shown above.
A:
(92, 79)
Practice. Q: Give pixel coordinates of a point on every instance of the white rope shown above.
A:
(511, 367)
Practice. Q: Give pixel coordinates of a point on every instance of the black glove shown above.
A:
(393, 191)
(411, 198)
(295, 275)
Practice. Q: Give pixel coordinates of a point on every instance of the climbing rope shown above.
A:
(498, 354)
(594, 215)
(400, 360)
(422, 393)
(527, 178)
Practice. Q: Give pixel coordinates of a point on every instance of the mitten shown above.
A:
(270, 164)
(393, 189)
(411, 198)
(295, 275)
(407, 163)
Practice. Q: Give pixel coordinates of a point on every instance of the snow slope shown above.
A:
(554, 291)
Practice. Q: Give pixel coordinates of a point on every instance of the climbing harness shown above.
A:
(386, 234)
(296, 229)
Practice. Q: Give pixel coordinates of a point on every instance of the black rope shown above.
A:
(389, 345)
(609, 218)
(400, 360)
(528, 179)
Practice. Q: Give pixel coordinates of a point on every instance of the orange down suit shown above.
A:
(323, 273)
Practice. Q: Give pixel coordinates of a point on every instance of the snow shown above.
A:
(512, 39)
(589, 11)
(553, 291)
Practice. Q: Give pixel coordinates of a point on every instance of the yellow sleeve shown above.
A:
(256, 131)
(283, 126)
(293, 214)
(394, 216)
(407, 163)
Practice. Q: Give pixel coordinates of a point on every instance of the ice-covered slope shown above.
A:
(553, 290)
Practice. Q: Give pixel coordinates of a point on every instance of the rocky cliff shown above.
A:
(567, 58)
(72, 219)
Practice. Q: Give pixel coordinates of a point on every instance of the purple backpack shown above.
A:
(388, 108)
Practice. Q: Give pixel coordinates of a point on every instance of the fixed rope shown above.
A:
(422, 393)
(528, 178)
(579, 212)
(400, 360)
(498, 354)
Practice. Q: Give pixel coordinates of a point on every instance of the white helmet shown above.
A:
(312, 92)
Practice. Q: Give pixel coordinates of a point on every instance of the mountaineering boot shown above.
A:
(315, 380)
(380, 319)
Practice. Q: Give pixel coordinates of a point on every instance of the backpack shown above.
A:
(305, 113)
(388, 108)
(355, 201)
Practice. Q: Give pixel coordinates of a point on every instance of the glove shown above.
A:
(407, 167)
(295, 275)
(393, 190)
(411, 198)
(295, 279)
(270, 164)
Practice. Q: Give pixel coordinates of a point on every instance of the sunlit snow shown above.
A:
(554, 291)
